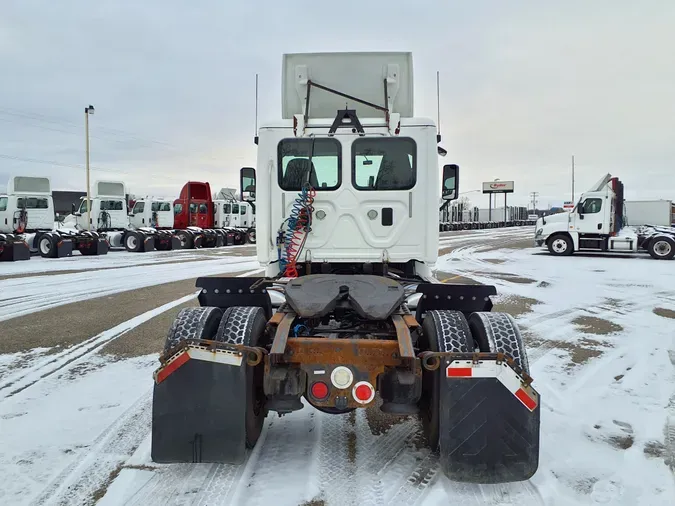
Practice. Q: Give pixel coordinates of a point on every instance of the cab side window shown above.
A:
(591, 206)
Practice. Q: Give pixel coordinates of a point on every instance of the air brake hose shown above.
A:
(299, 225)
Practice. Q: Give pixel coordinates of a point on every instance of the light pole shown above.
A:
(87, 111)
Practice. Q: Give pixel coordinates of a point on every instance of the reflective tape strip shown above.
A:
(459, 372)
(201, 353)
(171, 366)
(491, 369)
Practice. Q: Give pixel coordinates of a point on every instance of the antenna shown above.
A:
(255, 138)
(438, 104)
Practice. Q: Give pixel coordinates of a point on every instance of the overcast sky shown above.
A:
(524, 86)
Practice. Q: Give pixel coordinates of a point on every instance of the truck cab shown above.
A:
(233, 214)
(365, 175)
(194, 206)
(152, 212)
(108, 208)
(27, 206)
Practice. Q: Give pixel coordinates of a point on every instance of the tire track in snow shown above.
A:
(290, 443)
(57, 362)
(51, 364)
(22, 296)
(669, 428)
(77, 483)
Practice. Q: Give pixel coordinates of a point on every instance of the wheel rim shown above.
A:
(559, 245)
(44, 245)
(131, 242)
(662, 248)
(183, 240)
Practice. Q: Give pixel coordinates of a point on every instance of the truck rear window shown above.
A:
(294, 165)
(32, 203)
(3, 203)
(384, 164)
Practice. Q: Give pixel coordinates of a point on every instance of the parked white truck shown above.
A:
(27, 224)
(231, 224)
(597, 223)
(236, 217)
(110, 218)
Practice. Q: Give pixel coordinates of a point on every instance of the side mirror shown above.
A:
(450, 182)
(247, 184)
(72, 208)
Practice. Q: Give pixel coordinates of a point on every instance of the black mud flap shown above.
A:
(13, 251)
(199, 413)
(487, 434)
(174, 243)
(100, 247)
(148, 244)
(64, 248)
(220, 240)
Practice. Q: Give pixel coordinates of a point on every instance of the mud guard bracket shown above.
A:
(465, 298)
(227, 292)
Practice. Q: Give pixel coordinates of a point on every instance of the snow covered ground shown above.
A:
(74, 427)
(23, 295)
(115, 258)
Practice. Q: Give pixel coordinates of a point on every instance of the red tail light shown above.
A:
(319, 390)
(363, 392)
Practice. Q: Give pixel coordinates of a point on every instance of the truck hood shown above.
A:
(547, 225)
(554, 218)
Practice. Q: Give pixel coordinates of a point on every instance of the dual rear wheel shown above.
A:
(210, 412)
(478, 427)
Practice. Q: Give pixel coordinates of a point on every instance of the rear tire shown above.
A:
(46, 245)
(246, 325)
(250, 235)
(442, 331)
(193, 323)
(560, 245)
(662, 248)
(133, 241)
(186, 239)
(499, 333)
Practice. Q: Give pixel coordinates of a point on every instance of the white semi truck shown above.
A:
(346, 209)
(597, 223)
(27, 224)
(110, 218)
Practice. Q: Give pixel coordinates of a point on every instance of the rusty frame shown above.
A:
(317, 356)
